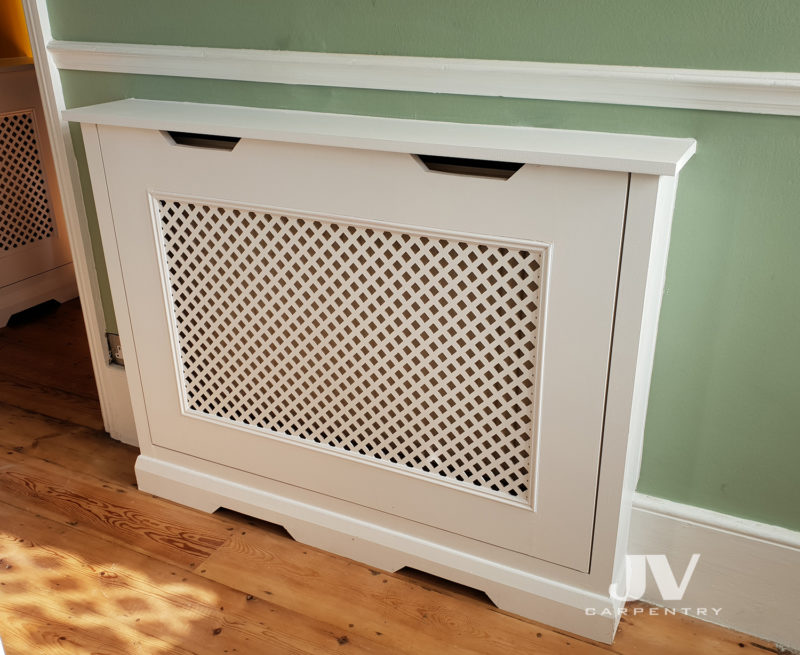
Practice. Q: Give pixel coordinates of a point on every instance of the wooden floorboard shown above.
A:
(89, 582)
(133, 520)
(75, 448)
(89, 564)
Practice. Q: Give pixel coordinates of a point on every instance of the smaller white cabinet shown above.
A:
(35, 262)
(412, 343)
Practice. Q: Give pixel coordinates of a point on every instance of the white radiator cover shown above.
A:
(404, 366)
(35, 263)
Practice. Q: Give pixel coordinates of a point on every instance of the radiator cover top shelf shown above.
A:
(630, 153)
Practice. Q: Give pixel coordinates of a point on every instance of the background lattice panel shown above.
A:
(26, 215)
(415, 350)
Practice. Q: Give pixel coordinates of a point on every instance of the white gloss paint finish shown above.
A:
(549, 583)
(112, 389)
(747, 570)
(716, 90)
(628, 153)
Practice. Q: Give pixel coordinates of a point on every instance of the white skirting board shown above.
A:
(55, 284)
(748, 574)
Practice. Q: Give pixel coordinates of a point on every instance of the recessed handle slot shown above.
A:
(212, 141)
(473, 167)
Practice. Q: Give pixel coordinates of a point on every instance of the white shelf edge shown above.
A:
(715, 90)
(530, 145)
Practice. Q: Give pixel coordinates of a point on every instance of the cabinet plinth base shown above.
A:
(56, 284)
(564, 607)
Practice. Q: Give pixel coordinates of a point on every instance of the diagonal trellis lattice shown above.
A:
(415, 350)
(25, 212)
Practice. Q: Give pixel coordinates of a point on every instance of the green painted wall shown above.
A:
(732, 34)
(723, 428)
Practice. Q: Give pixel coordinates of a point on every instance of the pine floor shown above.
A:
(89, 564)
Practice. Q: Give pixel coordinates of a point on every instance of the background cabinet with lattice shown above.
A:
(35, 263)
(415, 344)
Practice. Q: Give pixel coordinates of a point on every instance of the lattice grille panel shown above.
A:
(415, 350)
(25, 212)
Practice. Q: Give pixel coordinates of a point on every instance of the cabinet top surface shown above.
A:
(633, 153)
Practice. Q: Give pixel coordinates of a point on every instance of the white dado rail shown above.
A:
(411, 343)
(716, 90)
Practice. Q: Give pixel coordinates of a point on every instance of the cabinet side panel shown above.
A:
(105, 215)
(642, 277)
